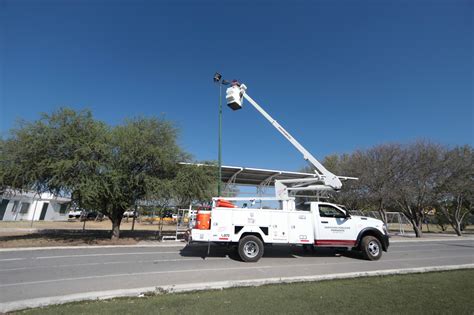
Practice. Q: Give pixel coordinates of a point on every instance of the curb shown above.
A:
(139, 292)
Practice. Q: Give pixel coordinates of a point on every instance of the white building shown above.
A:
(18, 206)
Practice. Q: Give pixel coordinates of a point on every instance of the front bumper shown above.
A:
(385, 242)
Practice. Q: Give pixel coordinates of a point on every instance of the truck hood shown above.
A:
(369, 221)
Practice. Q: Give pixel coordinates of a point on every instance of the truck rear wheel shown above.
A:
(371, 248)
(250, 248)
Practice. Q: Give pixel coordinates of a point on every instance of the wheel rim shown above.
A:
(251, 249)
(373, 248)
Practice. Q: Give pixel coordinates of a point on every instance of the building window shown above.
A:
(25, 206)
(15, 206)
(63, 208)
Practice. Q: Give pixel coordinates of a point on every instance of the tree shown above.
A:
(102, 168)
(415, 180)
(409, 178)
(441, 220)
(194, 183)
(160, 195)
(455, 191)
(351, 194)
(53, 153)
(377, 168)
(143, 156)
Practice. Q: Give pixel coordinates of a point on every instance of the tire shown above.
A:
(250, 248)
(371, 248)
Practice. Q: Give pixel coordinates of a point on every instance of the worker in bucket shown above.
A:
(235, 95)
(238, 84)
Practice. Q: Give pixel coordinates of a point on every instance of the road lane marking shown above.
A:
(214, 269)
(415, 250)
(109, 254)
(308, 255)
(87, 247)
(12, 259)
(131, 274)
(430, 243)
(113, 263)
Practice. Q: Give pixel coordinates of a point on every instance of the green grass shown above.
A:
(429, 293)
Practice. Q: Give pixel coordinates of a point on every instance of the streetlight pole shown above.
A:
(218, 80)
(219, 154)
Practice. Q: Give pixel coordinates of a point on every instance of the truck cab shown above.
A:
(335, 227)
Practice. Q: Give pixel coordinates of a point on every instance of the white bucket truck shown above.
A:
(315, 223)
(319, 224)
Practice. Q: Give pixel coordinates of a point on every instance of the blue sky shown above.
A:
(339, 75)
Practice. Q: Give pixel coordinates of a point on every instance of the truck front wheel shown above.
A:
(250, 248)
(371, 248)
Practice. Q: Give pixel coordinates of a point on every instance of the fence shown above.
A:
(396, 221)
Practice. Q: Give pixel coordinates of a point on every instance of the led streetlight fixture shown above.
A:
(217, 77)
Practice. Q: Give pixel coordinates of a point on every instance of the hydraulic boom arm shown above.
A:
(235, 95)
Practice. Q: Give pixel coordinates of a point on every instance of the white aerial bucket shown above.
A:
(234, 97)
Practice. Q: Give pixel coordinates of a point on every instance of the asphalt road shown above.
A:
(46, 273)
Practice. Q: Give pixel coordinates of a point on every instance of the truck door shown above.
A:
(332, 227)
(301, 227)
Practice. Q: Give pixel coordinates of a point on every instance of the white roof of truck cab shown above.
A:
(239, 175)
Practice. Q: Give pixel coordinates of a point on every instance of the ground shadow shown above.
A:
(204, 250)
(276, 251)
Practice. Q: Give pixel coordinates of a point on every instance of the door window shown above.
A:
(327, 211)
